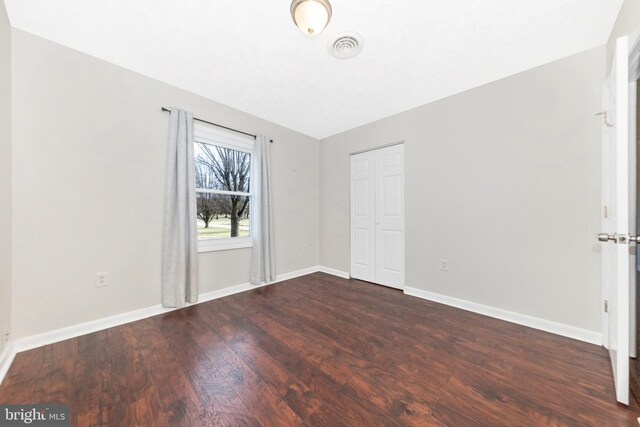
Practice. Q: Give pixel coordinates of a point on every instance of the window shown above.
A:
(223, 189)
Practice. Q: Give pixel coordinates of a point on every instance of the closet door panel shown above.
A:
(363, 238)
(389, 220)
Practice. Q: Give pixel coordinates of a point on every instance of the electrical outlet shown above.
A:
(444, 265)
(304, 249)
(101, 280)
(5, 334)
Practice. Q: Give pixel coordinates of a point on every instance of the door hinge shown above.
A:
(605, 211)
(606, 306)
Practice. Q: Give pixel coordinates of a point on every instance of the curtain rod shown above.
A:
(220, 126)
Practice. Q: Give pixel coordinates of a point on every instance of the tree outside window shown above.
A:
(223, 191)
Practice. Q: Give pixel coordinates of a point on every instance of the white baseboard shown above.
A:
(294, 274)
(334, 272)
(6, 358)
(50, 337)
(568, 331)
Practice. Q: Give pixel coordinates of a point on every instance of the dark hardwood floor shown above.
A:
(319, 350)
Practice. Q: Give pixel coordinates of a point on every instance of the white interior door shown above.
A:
(390, 216)
(377, 216)
(363, 216)
(616, 219)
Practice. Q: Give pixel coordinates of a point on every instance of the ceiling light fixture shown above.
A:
(311, 16)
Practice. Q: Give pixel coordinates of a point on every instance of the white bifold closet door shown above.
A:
(377, 216)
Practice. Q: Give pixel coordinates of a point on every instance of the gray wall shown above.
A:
(5, 174)
(504, 182)
(89, 162)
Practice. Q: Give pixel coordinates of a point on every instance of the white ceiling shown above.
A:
(249, 55)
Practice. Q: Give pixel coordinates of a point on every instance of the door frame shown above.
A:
(633, 156)
(634, 56)
(378, 147)
(404, 206)
(604, 261)
(634, 76)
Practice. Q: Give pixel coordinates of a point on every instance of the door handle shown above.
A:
(605, 237)
(618, 238)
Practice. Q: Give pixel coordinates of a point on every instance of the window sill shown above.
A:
(214, 245)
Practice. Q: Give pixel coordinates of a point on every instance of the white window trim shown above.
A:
(217, 137)
(229, 243)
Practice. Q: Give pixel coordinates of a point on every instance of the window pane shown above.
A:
(219, 168)
(222, 216)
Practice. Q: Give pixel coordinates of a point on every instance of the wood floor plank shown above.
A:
(92, 371)
(334, 385)
(210, 386)
(254, 392)
(179, 403)
(386, 392)
(295, 393)
(323, 351)
(389, 392)
(339, 407)
(523, 350)
(26, 368)
(59, 362)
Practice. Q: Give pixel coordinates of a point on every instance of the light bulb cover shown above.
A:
(311, 16)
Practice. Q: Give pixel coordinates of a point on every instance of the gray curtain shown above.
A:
(179, 240)
(263, 267)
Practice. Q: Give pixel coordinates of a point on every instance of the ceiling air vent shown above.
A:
(345, 45)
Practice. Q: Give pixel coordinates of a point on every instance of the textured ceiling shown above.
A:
(248, 54)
